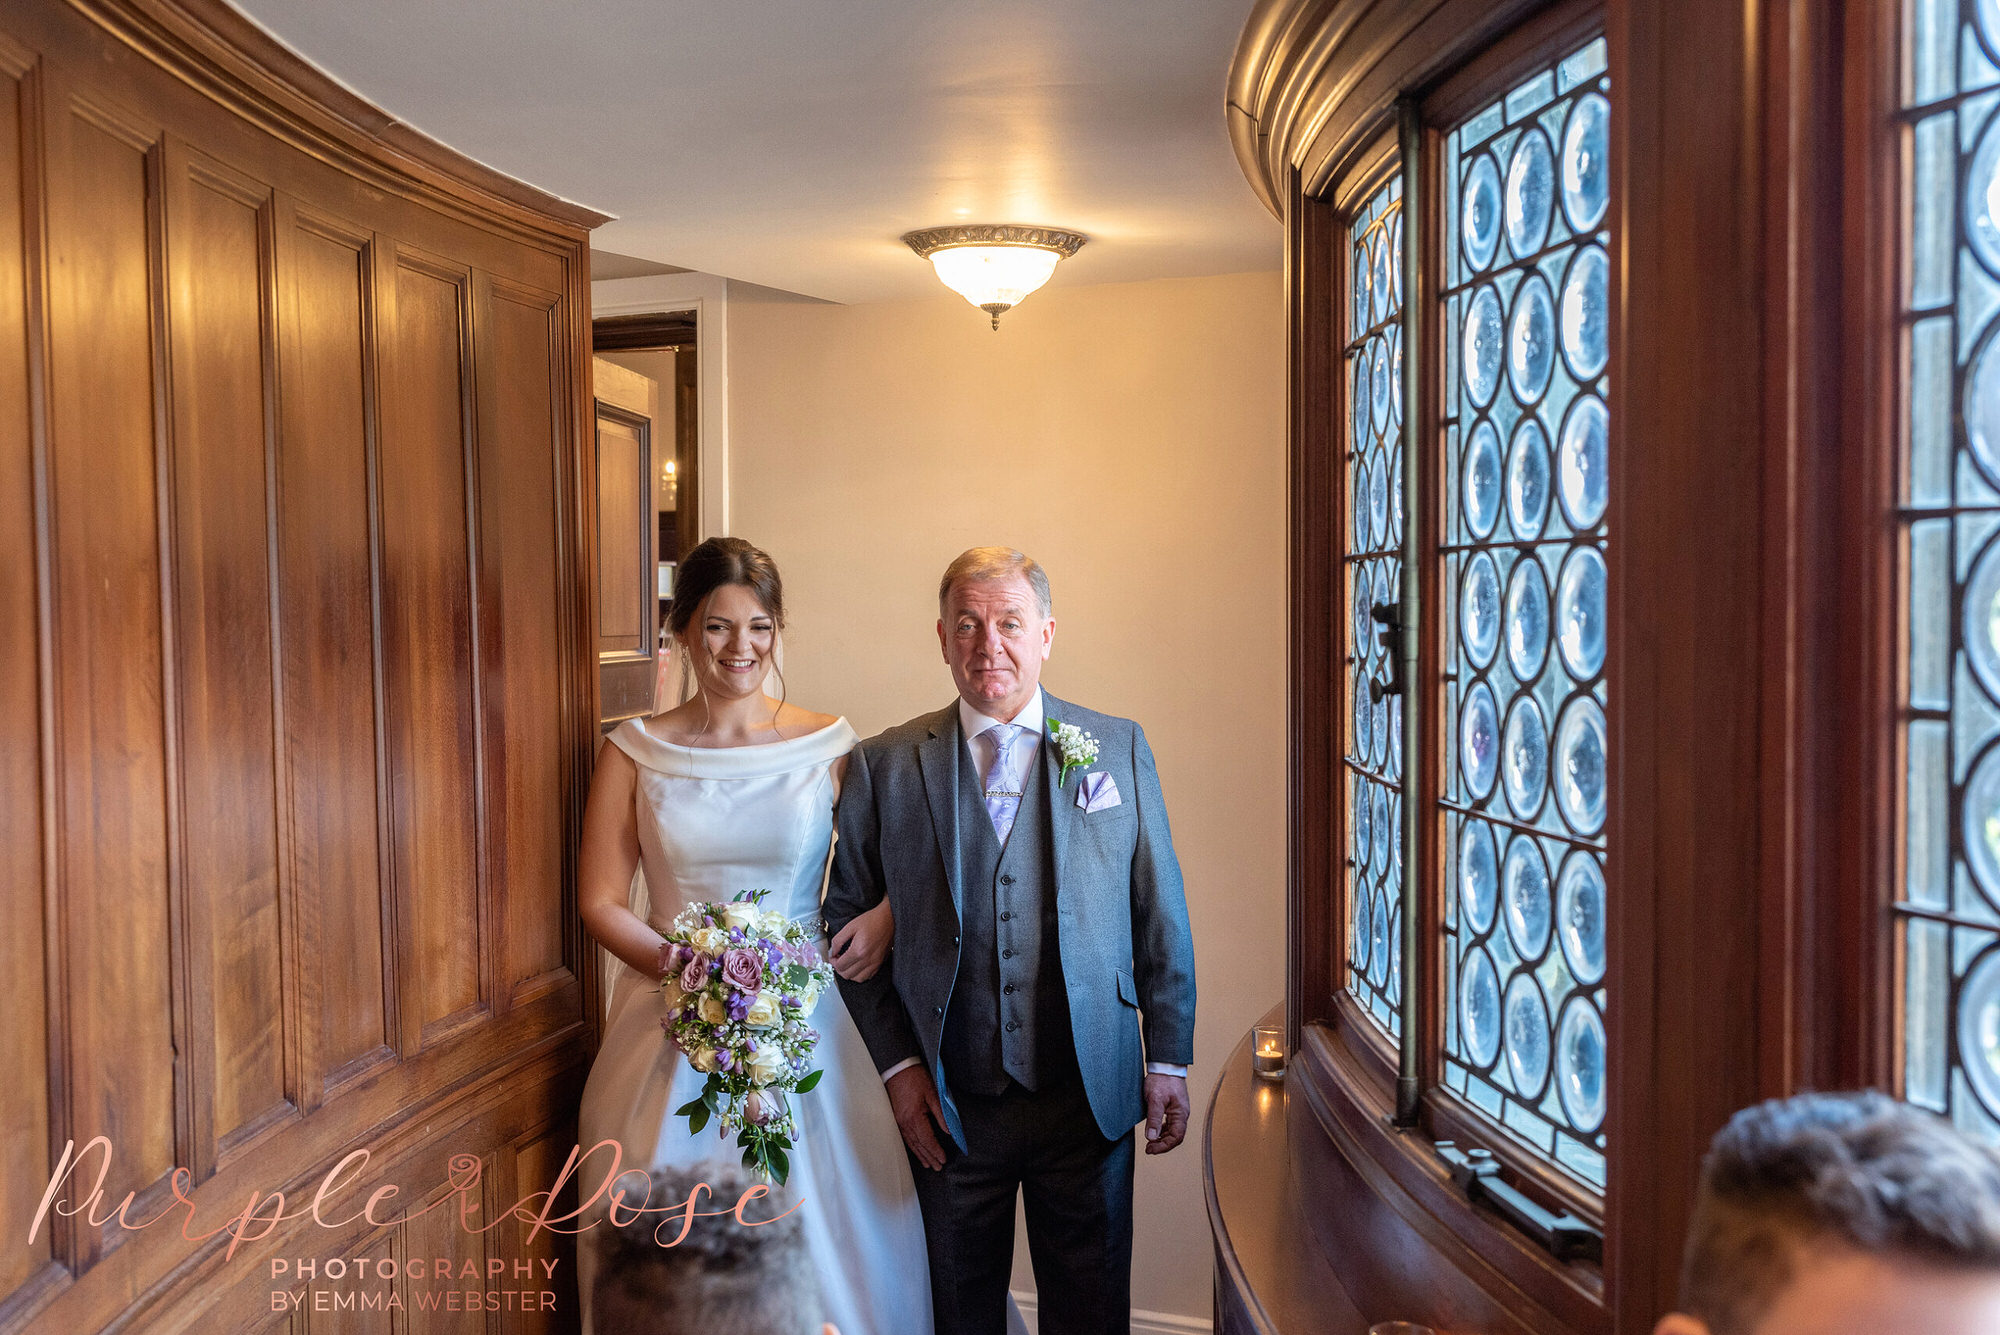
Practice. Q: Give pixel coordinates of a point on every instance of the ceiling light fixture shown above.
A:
(994, 267)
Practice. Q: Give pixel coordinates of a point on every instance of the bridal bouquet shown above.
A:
(740, 981)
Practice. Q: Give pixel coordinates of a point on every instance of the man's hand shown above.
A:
(1166, 1112)
(919, 1115)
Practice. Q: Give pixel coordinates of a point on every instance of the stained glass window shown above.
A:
(1372, 570)
(1524, 425)
(1948, 907)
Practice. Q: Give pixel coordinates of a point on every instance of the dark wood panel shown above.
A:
(428, 648)
(437, 1307)
(112, 679)
(24, 1053)
(327, 564)
(222, 562)
(520, 628)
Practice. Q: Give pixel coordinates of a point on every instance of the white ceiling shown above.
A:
(791, 142)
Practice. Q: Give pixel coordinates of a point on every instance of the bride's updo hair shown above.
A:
(721, 561)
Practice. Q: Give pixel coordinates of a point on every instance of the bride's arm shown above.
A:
(609, 856)
(859, 948)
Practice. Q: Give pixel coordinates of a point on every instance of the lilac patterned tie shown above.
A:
(1001, 800)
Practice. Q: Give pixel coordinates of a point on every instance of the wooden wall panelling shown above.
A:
(522, 630)
(424, 320)
(113, 645)
(329, 572)
(27, 1269)
(241, 978)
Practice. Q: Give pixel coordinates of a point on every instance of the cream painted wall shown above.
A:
(1131, 438)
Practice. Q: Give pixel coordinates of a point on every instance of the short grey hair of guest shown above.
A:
(979, 565)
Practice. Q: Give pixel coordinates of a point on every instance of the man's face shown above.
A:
(995, 638)
(1846, 1292)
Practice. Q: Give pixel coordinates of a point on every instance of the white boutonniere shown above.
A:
(1074, 747)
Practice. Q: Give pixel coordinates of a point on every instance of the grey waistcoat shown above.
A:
(1009, 1014)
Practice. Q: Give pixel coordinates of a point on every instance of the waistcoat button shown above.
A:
(1006, 880)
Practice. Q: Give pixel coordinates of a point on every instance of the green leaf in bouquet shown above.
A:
(698, 1119)
(781, 1165)
(692, 1106)
(805, 1086)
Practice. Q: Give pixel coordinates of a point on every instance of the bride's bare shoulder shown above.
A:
(794, 720)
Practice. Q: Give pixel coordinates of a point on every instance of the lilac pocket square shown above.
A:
(1097, 792)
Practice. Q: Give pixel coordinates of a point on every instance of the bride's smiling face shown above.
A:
(730, 644)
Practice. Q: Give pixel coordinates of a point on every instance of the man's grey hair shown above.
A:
(724, 1276)
(980, 565)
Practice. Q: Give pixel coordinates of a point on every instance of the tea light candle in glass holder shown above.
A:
(1267, 1051)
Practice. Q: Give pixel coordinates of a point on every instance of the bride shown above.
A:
(728, 792)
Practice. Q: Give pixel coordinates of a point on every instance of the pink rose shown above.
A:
(695, 976)
(743, 970)
(754, 1111)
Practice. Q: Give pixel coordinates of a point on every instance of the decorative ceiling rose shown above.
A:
(993, 267)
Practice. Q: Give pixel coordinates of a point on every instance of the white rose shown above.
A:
(773, 923)
(713, 1011)
(742, 913)
(702, 1059)
(766, 1061)
(763, 1011)
(708, 940)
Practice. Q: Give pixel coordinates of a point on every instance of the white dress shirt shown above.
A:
(980, 743)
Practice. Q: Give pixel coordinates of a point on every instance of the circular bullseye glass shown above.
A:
(1479, 609)
(1982, 199)
(1525, 749)
(1384, 260)
(1981, 823)
(1482, 479)
(1378, 807)
(1484, 337)
(1527, 1035)
(1362, 483)
(1531, 339)
(1385, 595)
(1531, 193)
(1360, 399)
(1364, 639)
(1580, 591)
(1524, 890)
(1364, 718)
(1982, 408)
(1395, 231)
(1979, 1029)
(1580, 1064)
(1378, 944)
(1479, 740)
(1580, 462)
(1379, 753)
(1478, 876)
(1378, 502)
(1580, 916)
(1479, 1007)
(1395, 987)
(1981, 619)
(1586, 313)
(1361, 269)
(1395, 373)
(1986, 13)
(1528, 479)
(1360, 948)
(1378, 381)
(1479, 216)
(1527, 632)
(1364, 828)
(1580, 765)
(1586, 180)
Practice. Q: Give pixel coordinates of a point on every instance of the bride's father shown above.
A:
(1041, 936)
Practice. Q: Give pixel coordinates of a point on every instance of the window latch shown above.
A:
(1389, 617)
(1477, 1173)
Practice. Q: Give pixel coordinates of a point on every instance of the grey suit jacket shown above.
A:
(1122, 922)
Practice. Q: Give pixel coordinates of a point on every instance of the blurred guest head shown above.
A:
(1848, 1213)
(723, 1276)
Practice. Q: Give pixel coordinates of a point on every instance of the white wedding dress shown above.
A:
(714, 822)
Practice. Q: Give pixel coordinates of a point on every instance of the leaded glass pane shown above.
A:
(1372, 573)
(1948, 896)
(1525, 433)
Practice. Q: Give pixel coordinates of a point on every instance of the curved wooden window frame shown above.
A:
(1752, 830)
